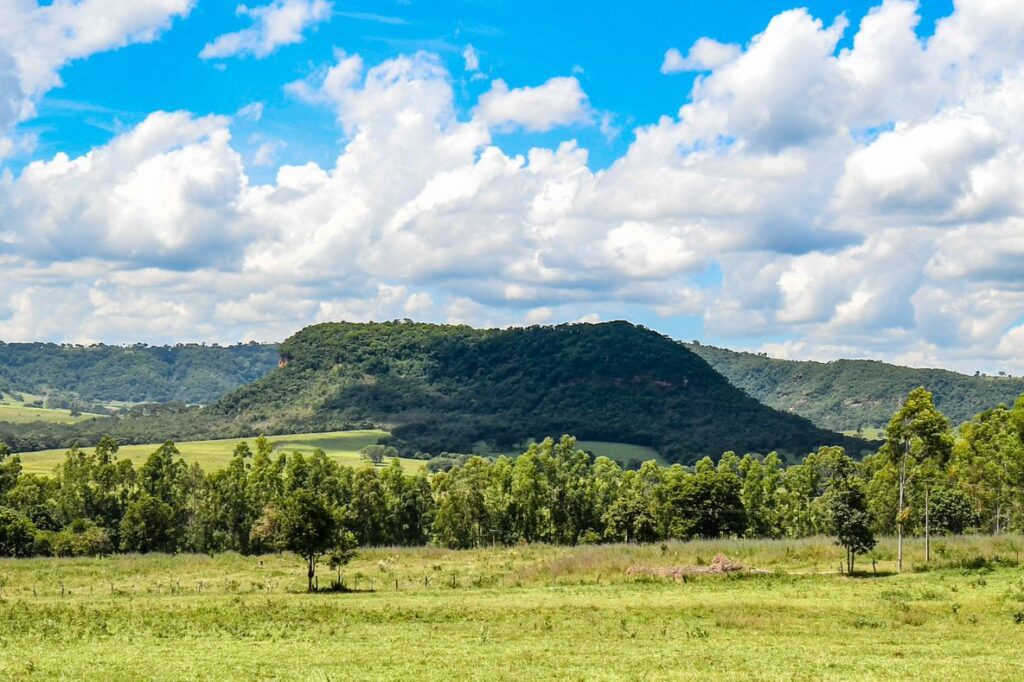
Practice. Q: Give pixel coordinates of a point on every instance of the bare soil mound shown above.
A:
(720, 565)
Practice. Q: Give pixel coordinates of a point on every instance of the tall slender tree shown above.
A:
(918, 438)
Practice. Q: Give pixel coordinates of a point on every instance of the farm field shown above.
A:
(17, 412)
(623, 453)
(343, 446)
(530, 612)
(871, 433)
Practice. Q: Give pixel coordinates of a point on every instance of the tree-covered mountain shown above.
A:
(186, 373)
(851, 394)
(456, 388)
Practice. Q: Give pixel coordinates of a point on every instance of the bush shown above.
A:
(17, 534)
(81, 538)
(148, 526)
(951, 512)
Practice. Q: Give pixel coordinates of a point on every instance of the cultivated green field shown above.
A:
(530, 612)
(871, 433)
(623, 453)
(17, 412)
(343, 446)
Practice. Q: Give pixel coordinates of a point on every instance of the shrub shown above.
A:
(17, 534)
(81, 538)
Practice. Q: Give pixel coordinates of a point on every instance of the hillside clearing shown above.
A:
(17, 412)
(623, 453)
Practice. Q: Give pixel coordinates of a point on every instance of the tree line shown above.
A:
(927, 479)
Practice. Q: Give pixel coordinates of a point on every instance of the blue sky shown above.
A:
(816, 180)
(615, 50)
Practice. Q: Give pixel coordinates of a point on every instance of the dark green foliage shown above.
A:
(149, 526)
(458, 388)
(17, 533)
(554, 493)
(187, 373)
(10, 469)
(951, 512)
(850, 394)
(81, 538)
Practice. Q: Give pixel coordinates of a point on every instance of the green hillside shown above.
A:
(852, 394)
(187, 373)
(454, 388)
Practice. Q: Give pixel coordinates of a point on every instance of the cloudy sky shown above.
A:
(840, 180)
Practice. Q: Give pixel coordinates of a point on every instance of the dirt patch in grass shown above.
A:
(720, 565)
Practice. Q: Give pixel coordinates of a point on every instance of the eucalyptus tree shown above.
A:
(918, 442)
(988, 463)
(10, 469)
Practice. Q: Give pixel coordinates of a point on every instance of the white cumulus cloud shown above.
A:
(559, 101)
(705, 54)
(37, 40)
(862, 200)
(282, 22)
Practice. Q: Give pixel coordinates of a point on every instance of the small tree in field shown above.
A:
(850, 519)
(342, 554)
(377, 453)
(310, 526)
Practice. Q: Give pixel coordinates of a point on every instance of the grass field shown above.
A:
(870, 433)
(17, 412)
(531, 612)
(623, 453)
(342, 446)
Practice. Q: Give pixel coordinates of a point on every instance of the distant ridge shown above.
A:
(850, 394)
(187, 373)
(456, 388)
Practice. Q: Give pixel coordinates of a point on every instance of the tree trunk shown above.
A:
(311, 573)
(899, 511)
(849, 559)
(927, 529)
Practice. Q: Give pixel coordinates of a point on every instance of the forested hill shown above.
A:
(849, 394)
(187, 373)
(457, 388)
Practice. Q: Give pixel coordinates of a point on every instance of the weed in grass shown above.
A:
(697, 633)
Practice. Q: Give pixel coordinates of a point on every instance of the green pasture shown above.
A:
(870, 433)
(523, 613)
(623, 453)
(17, 412)
(342, 446)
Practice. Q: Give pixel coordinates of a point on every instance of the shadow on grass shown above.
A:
(871, 574)
(337, 589)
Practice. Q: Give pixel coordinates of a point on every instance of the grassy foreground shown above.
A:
(343, 446)
(533, 612)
